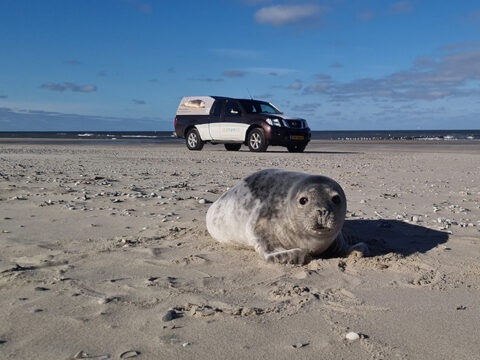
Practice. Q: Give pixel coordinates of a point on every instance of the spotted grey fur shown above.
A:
(264, 211)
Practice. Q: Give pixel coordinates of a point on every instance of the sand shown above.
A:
(104, 251)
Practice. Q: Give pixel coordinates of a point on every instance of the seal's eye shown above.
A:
(337, 200)
(303, 201)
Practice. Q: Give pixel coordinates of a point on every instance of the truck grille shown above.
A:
(295, 124)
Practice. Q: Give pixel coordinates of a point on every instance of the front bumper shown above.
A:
(282, 136)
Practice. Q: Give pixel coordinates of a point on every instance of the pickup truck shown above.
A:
(235, 122)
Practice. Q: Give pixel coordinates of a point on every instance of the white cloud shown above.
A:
(38, 120)
(271, 71)
(207, 79)
(455, 74)
(323, 77)
(80, 88)
(365, 16)
(142, 7)
(53, 87)
(263, 96)
(308, 107)
(237, 53)
(234, 73)
(68, 86)
(296, 85)
(401, 7)
(72, 62)
(256, 2)
(318, 87)
(280, 15)
(461, 45)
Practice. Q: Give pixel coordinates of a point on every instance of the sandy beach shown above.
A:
(105, 255)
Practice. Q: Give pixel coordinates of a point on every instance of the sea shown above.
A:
(132, 137)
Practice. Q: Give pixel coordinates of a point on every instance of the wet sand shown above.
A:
(105, 250)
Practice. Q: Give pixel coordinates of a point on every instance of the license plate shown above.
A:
(297, 137)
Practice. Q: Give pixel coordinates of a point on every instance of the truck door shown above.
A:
(215, 118)
(233, 126)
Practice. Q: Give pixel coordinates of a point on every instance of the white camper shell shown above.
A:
(195, 105)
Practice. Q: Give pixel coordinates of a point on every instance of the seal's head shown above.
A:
(318, 206)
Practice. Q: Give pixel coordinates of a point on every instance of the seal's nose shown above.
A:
(323, 212)
(323, 218)
(336, 199)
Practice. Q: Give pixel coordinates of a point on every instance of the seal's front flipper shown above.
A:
(340, 247)
(276, 254)
(358, 250)
(292, 256)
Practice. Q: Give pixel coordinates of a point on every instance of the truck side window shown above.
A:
(267, 109)
(232, 109)
(217, 110)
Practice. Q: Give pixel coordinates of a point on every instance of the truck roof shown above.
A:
(200, 105)
(225, 97)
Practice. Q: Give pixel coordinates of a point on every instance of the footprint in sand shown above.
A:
(192, 260)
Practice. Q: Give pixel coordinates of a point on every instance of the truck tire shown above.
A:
(193, 140)
(233, 147)
(256, 140)
(296, 148)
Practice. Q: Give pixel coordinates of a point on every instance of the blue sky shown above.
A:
(340, 64)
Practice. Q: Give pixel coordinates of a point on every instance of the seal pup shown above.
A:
(284, 215)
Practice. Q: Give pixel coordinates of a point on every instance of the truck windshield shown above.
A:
(254, 107)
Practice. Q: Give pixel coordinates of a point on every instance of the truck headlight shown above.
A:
(273, 122)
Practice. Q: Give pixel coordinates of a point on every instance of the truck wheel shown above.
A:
(296, 148)
(256, 140)
(194, 142)
(233, 147)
